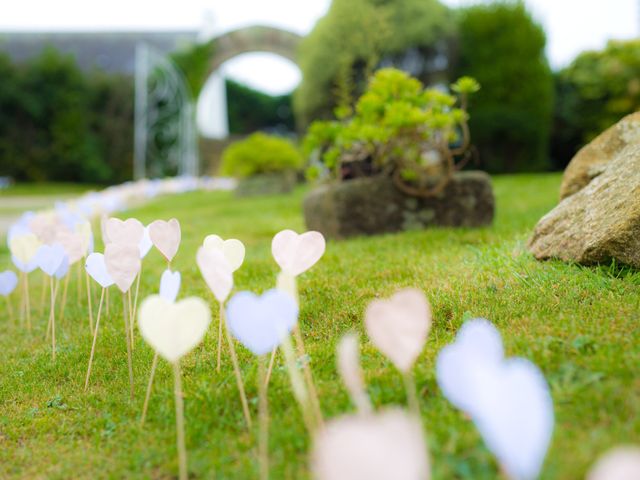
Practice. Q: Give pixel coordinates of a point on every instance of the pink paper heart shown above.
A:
(166, 237)
(398, 327)
(123, 264)
(72, 242)
(216, 271)
(295, 253)
(128, 231)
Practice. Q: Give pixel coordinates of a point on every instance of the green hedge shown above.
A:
(260, 153)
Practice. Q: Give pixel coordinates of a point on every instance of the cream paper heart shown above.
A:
(216, 271)
(166, 237)
(232, 249)
(129, 231)
(73, 243)
(384, 446)
(123, 263)
(24, 247)
(295, 253)
(173, 329)
(398, 327)
(620, 463)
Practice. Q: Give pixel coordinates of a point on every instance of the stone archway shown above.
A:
(236, 42)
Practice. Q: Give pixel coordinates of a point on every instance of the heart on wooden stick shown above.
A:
(8, 282)
(166, 237)
(387, 445)
(97, 269)
(73, 243)
(173, 329)
(399, 326)
(129, 231)
(232, 249)
(123, 264)
(295, 253)
(169, 285)
(49, 258)
(24, 247)
(216, 271)
(620, 463)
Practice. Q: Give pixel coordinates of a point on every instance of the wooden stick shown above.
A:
(22, 297)
(148, 395)
(53, 321)
(126, 332)
(10, 308)
(130, 319)
(271, 362)
(236, 370)
(107, 300)
(64, 295)
(43, 293)
(95, 338)
(28, 304)
(55, 295)
(412, 395)
(135, 301)
(79, 281)
(182, 449)
(219, 338)
(263, 421)
(298, 385)
(308, 376)
(89, 302)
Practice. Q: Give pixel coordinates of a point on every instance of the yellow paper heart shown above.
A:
(232, 249)
(24, 247)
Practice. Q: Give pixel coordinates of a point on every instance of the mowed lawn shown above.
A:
(579, 325)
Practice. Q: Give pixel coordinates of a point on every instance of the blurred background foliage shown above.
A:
(59, 123)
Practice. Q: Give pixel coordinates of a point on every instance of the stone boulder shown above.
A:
(601, 221)
(593, 158)
(373, 205)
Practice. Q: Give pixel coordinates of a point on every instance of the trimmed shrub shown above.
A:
(260, 153)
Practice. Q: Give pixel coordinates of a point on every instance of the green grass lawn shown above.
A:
(579, 325)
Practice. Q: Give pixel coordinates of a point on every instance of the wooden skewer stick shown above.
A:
(126, 332)
(89, 302)
(22, 297)
(64, 295)
(308, 377)
(55, 295)
(263, 421)
(107, 301)
(298, 385)
(53, 320)
(270, 368)
(130, 319)
(149, 386)
(95, 338)
(182, 449)
(135, 301)
(43, 293)
(236, 370)
(10, 308)
(219, 353)
(412, 395)
(28, 302)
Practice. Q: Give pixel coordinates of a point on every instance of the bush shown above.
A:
(593, 93)
(398, 129)
(503, 48)
(260, 153)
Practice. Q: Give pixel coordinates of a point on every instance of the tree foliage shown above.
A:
(503, 48)
(346, 45)
(194, 61)
(593, 93)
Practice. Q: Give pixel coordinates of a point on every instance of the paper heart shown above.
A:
(398, 327)
(288, 284)
(169, 285)
(8, 282)
(63, 268)
(173, 329)
(216, 271)
(84, 230)
(145, 243)
(49, 258)
(295, 253)
(232, 249)
(349, 367)
(97, 269)
(73, 243)
(477, 343)
(123, 263)
(24, 267)
(509, 399)
(620, 463)
(261, 323)
(166, 237)
(45, 225)
(388, 445)
(24, 247)
(129, 231)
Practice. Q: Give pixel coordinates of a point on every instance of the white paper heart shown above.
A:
(261, 323)
(216, 271)
(63, 268)
(166, 237)
(509, 399)
(477, 343)
(123, 263)
(25, 267)
(295, 253)
(170, 285)
(173, 329)
(24, 247)
(232, 249)
(97, 269)
(145, 243)
(388, 445)
(8, 282)
(49, 258)
(620, 463)
(399, 326)
(129, 231)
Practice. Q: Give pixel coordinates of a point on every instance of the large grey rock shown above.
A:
(372, 205)
(593, 158)
(601, 221)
